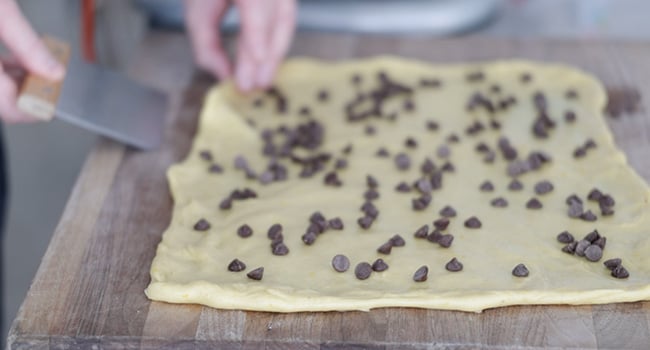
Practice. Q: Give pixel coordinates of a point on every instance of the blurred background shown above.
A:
(45, 159)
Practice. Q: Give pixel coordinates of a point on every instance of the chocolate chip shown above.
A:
(335, 223)
(448, 167)
(582, 245)
(332, 179)
(454, 265)
(202, 225)
(205, 155)
(430, 82)
(403, 187)
(371, 194)
(499, 202)
(244, 231)
(340, 164)
(421, 203)
(422, 232)
(487, 186)
(370, 210)
(382, 152)
(409, 105)
(593, 253)
(280, 249)
(534, 203)
(606, 200)
(424, 185)
(323, 95)
(543, 187)
(356, 79)
(590, 144)
(588, 216)
(445, 240)
(517, 167)
(420, 274)
(397, 241)
(371, 182)
(309, 237)
(411, 143)
(256, 274)
(473, 222)
(601, 242)
(274, 231)
(453, 138)
(432, 125)
(402, 161)
(427, 166)
(369, 130)
(515, 185)
(579, 152)
(379, 265)
(441, 223)
(495, 88)
(443, 151)
(520, 271)
(363, 270)
(620, 272)
(565, 237)
(573, 199)
(606, 211)
(612, 263)
(240, 162)
(570, 248)
(385, 248)
(571, 94)
(448, 212)
(236, 266)
(225, 204)
(365, 222)
(570, 116)
(525, 77)
(475, 76)
(340, 263)
(215, 168)
(494, 124)
(592, 236)
(575, 210)
(434, 236)
(594, 195)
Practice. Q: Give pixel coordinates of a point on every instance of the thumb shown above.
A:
(25, 44)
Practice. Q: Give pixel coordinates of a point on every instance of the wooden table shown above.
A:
(89, 288)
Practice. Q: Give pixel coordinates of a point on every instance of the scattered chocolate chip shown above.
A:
(409, 105)
(593, 253)
(441, 224)
(280, 249)
(420, 274)
(525, 77)
(215, 168)
(434, 236)
(370, 210)
(256, 274)
(365, 222)
(494, 124)
(573, 199)
(565, 237)
(520, 271)
(340, 164)
(575, 210)
(424, 185)
(588, 216)
(495, 88)
(445, 240)
(369, 130)
(430, 82)
(274, 231)
(448, 167)
(397, 241)
(475, 76)
(601, 242)
(448, 212)
(309, 237)
(606, 201)
(340, 263)
(236, 266)
(240, 162)
(356, 79)
(323, 95)
(422, 232)
(443, 151)
(454, 265)
(402, 161)
(487, 186)
(385, 248)
(363, 270)
(570, 116)
(225, 204)
(427, 166)
(258, 102)
(592, 236)
(410, 143)
(594, 195)
(335, 224)
(421, 203)
(612, 263)
(515, 185)
(571, 94)
(582, 245)
(570, 248)
(453, 138)
(499, 202)
(382, 152)
(202, 225)
(579, 152)
(620, 272)
(543, 187)
(371, 195)
(379, 265)
(534, 203)
(206, 155)
(432, 125)
(473, 222)
(332, 179)
(371, 182)
(403, 187)
(244, 231)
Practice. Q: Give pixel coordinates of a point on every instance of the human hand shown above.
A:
(27, 53)
(267, 28)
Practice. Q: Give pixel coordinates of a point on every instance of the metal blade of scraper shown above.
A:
(96, 99)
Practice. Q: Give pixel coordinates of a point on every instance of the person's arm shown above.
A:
(27, 52)
(267, 28)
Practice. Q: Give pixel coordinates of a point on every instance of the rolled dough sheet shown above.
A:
(190, 266)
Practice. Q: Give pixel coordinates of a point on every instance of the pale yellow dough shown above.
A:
(190, 266)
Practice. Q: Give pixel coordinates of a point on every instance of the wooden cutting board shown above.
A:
(89, 288)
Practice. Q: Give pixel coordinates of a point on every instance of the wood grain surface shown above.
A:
(88, 292)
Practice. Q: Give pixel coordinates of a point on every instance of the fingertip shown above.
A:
(266, 74)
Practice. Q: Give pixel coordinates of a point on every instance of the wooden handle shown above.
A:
(38, 96)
